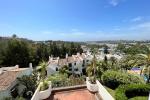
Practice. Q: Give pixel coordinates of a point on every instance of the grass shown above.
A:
(111, 91)
(139, 98)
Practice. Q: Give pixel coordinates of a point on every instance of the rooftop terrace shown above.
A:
(77, 94)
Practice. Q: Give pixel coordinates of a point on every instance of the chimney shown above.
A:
(50, 58)
(17, 66)
(30, 66)
(66, 55)
(78, 54)
(57, 58)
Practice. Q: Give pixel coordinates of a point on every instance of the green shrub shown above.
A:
(113, 79)
(44, 86)
(60, 80)
(7, 98)
(128, 91)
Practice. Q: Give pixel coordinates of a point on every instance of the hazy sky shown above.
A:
(76, 20)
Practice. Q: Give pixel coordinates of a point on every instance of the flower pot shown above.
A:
(91, 87)
(46, 93)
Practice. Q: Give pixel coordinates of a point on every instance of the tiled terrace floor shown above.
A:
(79, 94)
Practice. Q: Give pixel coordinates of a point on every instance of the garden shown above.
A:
(117, 81)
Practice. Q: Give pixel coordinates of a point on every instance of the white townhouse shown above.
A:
(76, 63)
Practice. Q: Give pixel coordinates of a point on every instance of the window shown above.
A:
(56, 69)
(83, 65)
(83, 61)
(76, 69)
(70, 65)
(70, 69)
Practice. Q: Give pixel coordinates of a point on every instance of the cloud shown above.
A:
(142, 26)
(114, 2)
(74, 30)
(136, 19)
(116, 28)
(72, 33)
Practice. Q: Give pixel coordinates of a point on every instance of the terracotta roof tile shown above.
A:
(7, 77)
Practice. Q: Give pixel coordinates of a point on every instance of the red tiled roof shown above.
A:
(7, 77)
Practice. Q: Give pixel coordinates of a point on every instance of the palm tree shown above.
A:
(128, 62)
(101, 67)
(91, 69)
(42, 67)
(144, 60)
(64, 70)
(113, 63)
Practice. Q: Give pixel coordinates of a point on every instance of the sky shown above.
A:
(76, 20)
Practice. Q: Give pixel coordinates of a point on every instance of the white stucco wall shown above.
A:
(4, 93)
(51, 69)
(37, 95)
(103, 92)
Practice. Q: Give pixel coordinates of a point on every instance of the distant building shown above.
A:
(76, 63)
(8, 80)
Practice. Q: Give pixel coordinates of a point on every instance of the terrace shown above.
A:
(72, 93)
(76, 92)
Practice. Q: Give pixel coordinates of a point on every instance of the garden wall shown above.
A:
(103, 92)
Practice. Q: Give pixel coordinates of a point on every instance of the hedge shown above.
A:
(113, 79)
(128, 91)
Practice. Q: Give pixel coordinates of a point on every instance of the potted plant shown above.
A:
(45, 86)
(45, 89)
(91, 84)
(91, 79)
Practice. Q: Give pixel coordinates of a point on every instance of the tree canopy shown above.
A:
(22, 52)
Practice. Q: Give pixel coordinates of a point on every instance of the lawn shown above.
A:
(112, 92)
(139, 98)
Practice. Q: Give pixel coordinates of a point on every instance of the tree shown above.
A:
(14, 36)
(91, 69)
(64, 70)
(106, 50)
(16, 52)
(30, 83)
(127, 62)
(121, 47)
(41, 53)
(113, 63)
(144, 59)
(100, 69)
(42, 69)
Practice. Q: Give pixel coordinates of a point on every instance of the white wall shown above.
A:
(149, 96)
(4, 93)
(51, 69)
(103, 92)
(37, 94)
